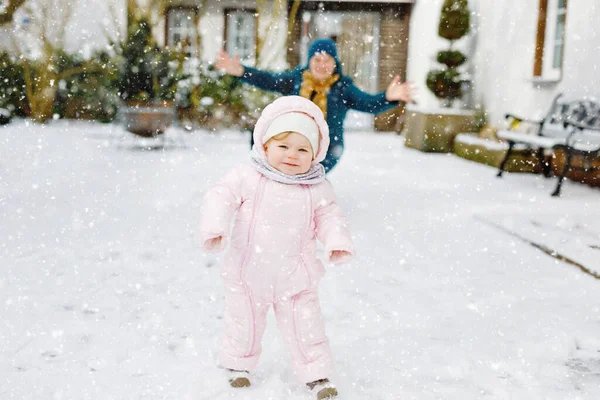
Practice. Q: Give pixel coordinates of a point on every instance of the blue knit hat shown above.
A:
(325, 46)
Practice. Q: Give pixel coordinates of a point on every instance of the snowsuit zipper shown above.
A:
(244, 261)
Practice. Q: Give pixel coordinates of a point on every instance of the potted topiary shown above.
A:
(434, 130)
(446, 83)
(147, 81)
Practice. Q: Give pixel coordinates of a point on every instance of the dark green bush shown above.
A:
(147, 72)
(451, 58)
(212, 100)
(454, 24)
(12, 86)
(455, 19)
(90, 90)
(446, 84)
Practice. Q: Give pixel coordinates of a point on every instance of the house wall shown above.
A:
(424, 44)
(581, 75)
(393, 54)
(501, 48)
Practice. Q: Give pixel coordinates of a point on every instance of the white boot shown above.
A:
(238, 379)
(324, 389)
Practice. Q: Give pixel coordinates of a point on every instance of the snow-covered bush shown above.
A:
(147, 73)
(91, 93)
(210, 100)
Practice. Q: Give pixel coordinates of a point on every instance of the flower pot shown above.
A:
(148, 120)
(491, 152)
(434, 130)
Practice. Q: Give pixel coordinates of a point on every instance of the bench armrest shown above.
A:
(531, 121)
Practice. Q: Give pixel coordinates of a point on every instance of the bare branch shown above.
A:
(29, 85)
(64, 19)
(10, 9)
(292, 20)
(114, 29)
(271, 36)
(43, 21)
(78, 70)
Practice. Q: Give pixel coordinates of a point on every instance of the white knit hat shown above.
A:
(295, 122)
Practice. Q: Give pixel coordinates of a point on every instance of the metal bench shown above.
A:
(570, 127)
(549, 132)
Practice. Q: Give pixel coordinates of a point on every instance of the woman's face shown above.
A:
(321, 66)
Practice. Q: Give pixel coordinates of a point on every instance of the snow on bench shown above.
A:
(524, 138)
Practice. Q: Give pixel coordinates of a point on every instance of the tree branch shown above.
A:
(78, 70)
(12, 6)
(292, 21)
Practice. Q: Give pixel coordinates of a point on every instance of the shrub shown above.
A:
(12, 86)
(446, 83)
(147, 73)
(213, 101)
(91, 93)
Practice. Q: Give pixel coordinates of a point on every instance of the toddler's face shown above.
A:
(291, 155)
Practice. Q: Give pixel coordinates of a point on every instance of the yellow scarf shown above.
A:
(316, 91)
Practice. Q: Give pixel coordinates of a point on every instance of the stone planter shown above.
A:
(584, 170)
(491, 152)
(434, 130)
(148, 120)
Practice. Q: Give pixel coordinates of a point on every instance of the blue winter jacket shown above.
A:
(343, 96)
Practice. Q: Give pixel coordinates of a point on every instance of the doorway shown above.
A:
(356, 34)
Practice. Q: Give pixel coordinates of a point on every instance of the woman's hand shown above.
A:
(231, 66)
(397, 91)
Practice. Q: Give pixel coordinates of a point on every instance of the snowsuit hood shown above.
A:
(285, 105)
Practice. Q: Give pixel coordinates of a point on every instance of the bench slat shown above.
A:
(541, 141)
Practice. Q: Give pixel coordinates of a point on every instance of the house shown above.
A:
(521, 53)
(372, 36)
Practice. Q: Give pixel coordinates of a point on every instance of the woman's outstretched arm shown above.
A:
(282, 82)
(395, 93)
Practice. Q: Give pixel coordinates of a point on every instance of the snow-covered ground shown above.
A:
(105, 293)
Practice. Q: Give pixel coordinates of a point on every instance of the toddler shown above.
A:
(282, 203)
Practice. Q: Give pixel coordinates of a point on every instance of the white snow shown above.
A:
(473, 139)
(105, 293)
(438, 110)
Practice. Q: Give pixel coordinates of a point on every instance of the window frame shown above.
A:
(193, 45)
(548, 45)
(227, 12)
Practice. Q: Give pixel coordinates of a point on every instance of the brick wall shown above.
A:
(393, 51)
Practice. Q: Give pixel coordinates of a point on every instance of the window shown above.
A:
(550, 40)
(240, 34)
(181, 29)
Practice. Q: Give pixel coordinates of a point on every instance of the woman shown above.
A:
(323, 82)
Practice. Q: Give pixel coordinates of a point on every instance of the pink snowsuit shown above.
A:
(272, 254)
